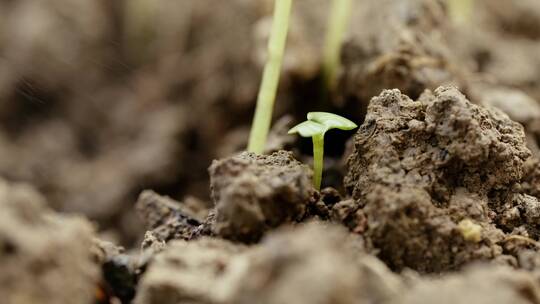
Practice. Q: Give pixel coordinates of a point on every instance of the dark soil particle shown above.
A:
(434, 200)
(292, 265)
(421, 167)
(530, 183)
(167, 219)
(120, 271)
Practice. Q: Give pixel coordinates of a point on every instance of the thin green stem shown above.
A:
(337, 26)
(270, 80)
(318, 160)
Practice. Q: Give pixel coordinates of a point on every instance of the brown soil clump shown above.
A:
(254, 193)
(419, 168)
(480, 284)
(44, 257)
(291, 265)
(167, 219)
(501, 41)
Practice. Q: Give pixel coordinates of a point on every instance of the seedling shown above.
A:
(270, 80)
(337, 25)
(315, 127)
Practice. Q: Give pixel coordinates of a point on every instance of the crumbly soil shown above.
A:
(421, 168)
(44, 257)
(123, 177)
(255, 193)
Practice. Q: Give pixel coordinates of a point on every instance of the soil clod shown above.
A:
(255, 193)
(44, 257)
(420, 168)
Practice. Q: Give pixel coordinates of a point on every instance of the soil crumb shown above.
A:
(190, 272)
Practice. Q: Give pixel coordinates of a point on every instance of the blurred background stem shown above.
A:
(337, 26)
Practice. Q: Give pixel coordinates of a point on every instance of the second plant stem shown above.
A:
(270, 80)
(460, 11)
(318, 159)
(337, 26)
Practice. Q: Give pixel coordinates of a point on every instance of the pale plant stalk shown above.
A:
(318, 159)
(337, 26)
(460, 11)
(270, 79)
(140, 24)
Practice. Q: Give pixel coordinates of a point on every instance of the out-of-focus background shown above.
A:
(101, 99)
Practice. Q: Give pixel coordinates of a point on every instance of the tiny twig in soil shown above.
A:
(270, 80)
(315, 127)
(522, 238)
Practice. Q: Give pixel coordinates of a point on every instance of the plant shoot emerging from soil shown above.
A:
(460, 11)
(315, 127)
(270, 80)
(334, 38)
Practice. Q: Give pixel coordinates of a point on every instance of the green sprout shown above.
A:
(270, 80)
(315, 127)
(337, 26)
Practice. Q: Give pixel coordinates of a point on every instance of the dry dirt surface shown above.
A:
(123, 177)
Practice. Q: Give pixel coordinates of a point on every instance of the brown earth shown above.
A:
(434, 199)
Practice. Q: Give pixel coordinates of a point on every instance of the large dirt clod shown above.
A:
(197, 272)
(419, 168)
